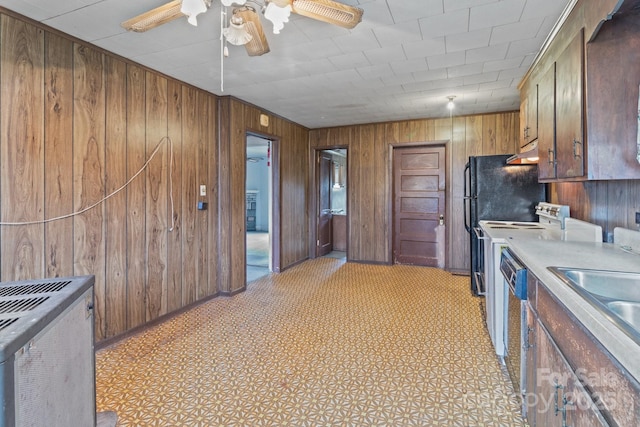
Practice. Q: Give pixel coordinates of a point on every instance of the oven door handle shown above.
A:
(479, 233)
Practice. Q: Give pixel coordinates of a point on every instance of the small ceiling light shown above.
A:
(236, 33)
(230, 2)
(450, 104)
(192, 8)
(277, 15)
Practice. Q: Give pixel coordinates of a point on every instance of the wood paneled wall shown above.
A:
(609, 204)
(369, 175)
(76, 123)
(290, 152)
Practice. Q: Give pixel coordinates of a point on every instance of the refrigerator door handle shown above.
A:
(466, 197)
(479, 233)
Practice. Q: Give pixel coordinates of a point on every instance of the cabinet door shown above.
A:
(530, 350)
(561, 400)
(547, 122)
(532, 113)
(529, 115)
(569, 109)
(551, 380)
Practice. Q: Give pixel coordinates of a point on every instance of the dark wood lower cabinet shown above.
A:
(559, 397)
(570, 378)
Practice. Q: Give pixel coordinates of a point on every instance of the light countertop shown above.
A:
(538, 254)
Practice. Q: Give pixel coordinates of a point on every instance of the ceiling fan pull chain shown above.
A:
(223, 47)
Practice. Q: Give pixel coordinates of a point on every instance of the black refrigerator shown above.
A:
(496, 191)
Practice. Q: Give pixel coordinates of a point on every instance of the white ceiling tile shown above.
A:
(375, 71)
(485, 54)
(524, 47)
(502, 64)
(429, 75)
(481, 78)
(514, 73)
(542, 8)
(403, 11)
(349, 60)
(317, 66)
(450, 5)
(375, 13)
(385, 55)
(448, 23)
(396, 34)
(357, 41)
(464, 70)
(469, 40)
(494, 14)
(424, 48)
(446, 60)
(398, 79)
(516, 31)
(490, 86)
(409, 66)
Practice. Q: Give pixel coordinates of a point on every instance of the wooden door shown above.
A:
(325, 169)
(419, 204)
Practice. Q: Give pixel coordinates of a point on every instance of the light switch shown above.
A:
(203, 190)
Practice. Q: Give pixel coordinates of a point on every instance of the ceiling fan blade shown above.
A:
(258, 44)
(155, 17)
(328, 11)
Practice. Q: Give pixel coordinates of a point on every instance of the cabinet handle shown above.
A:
(577, 149)
(527, 342)
(565, 402)
(552, 157)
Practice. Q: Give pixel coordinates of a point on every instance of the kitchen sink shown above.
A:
(627, 311)
(616, 285)
(616, 294)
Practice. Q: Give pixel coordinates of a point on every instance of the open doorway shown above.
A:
(258, 206)
(332, 214)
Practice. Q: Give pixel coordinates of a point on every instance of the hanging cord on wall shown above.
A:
(81, 211)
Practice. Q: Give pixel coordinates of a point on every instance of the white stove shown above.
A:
(552, 224)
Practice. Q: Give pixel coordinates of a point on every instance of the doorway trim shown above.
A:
(446, 143)
(314, 154)
(274, 219)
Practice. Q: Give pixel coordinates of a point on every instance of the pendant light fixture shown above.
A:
(277, 15)
(450, 104)
(192, 8)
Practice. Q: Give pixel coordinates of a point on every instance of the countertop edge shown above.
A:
(537, 255)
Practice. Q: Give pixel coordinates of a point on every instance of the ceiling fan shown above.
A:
(244, 26)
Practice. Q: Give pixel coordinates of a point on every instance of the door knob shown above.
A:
(441, 221)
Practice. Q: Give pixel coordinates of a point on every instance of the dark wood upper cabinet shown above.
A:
(547, 121)
(613, 79)
(529, 115)
(587, 83)
(569, 110)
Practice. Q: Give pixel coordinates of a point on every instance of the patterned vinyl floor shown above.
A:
(326, 343)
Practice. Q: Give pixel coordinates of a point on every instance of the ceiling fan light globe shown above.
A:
(230, 2)
(192, 8)
(236, 34)
(277, 15)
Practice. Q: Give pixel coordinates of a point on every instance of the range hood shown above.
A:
(525, 157)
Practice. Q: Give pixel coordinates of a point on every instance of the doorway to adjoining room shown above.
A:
(332, 215)
(258, 206)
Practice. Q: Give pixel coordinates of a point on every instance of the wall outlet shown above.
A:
(203, 190)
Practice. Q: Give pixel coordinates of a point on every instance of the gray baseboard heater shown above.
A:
(47, 359)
